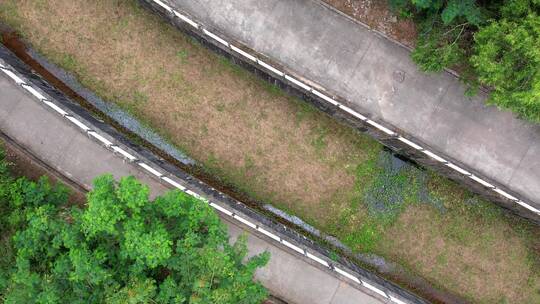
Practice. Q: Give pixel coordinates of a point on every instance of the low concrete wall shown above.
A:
(340, 109)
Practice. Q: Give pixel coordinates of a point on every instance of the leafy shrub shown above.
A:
(6, 251)
(436, 50)
(450, 11)
(122, 248)
(507, 58)
(496, 43)
(443, 29)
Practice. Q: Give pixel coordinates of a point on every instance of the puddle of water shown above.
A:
(398, 182)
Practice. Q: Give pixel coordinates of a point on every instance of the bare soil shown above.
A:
(275, 148)
(379, 16)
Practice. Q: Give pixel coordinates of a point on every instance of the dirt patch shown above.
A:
(377, 15)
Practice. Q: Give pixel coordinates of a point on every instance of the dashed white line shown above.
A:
(347, 275)
(165, 6)
(100, 138)
(481, 181)
(318, 260)
(223, 210)
(293, 247)
(271, 68)
(13, 76)
(352, 112)
(381, 127)
(521, 203)
(55, 107)
(243, 53)
(301, 84)
(396, 300)
(459, 169)
(410, 143)
(150, 169)
(246, 222)
(325, 97)
(33, 91)
(186, 19)
(505, 194)
(434, 156)
(78, 123)
(216, 37)
(298, 83)
(373, 288)
(269, 234)
(195, 195)
(173, 183)
(124, 153)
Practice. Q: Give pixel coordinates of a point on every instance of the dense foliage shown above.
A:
(507, 58)
(444, 29)
(122, 248)
(494, 43)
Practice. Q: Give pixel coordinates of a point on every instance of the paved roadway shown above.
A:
(58, 143)
(379, 78)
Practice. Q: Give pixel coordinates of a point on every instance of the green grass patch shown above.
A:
(182, 56)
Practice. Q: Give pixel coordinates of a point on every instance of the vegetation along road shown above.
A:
(278, 150)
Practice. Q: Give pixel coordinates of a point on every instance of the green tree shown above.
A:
(507, 58)
(123, 248)
(495, 43)
(6, 249)
(444, 30)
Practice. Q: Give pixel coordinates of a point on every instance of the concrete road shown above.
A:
(62, 146)
(379, 78)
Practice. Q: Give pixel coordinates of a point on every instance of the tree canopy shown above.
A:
(121, 248)
(507, 58)
(494, 43)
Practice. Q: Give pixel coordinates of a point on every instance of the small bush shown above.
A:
(495, 43)
(507, 58)
(443, 30)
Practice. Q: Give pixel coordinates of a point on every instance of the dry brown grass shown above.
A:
(135, 61)
(269, 145)
(489, 262)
